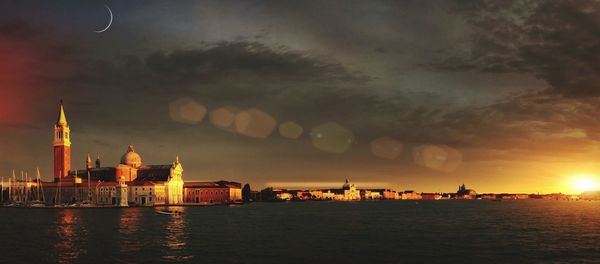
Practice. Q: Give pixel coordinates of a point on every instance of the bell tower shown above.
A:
(62, 146)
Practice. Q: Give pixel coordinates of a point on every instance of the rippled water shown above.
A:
(531, 231)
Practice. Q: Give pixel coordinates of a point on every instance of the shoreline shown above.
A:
(241, 204)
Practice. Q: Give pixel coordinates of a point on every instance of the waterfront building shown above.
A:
(386, 194)
(112, 185)
(464, 193)
(286, 196)
(350, 193)
(111, 193)
(431, 196)
(375, 195)
(370, 195)
(410, 195)
(512, 196)
(147, 193)
(487, 196)
(328, 195)
(220, 192)
(316, 194)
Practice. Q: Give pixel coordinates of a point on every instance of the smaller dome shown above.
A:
(131, 158)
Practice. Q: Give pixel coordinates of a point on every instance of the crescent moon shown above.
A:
(109, 22)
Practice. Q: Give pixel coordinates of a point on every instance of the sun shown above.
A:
(583, 183)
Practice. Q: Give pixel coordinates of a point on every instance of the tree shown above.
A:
(246, 193)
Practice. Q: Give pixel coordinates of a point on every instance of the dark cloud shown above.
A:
(253, 59)
(558, 41)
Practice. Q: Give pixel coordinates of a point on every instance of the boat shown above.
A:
(166, 212)
(86, 204)
(496, 200)
(37, 204)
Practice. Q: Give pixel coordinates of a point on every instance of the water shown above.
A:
(531, 231)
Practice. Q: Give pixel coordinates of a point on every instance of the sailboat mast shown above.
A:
(21, 187)
(26, 188)
(37, 179)
(14, 180)
(89, 188)
(57, 198)
(76, 189)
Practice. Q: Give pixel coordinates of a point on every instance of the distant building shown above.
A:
(464, 193)
(410, 195)
(370, 195)
(350, 193)
(386, 194)
(431, 196)
(554, 196)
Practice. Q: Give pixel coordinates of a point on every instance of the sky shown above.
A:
(418, 95)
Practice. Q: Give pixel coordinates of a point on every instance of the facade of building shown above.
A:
(431, 196)
(410, 195)
(221, 192)
(350, 193)
(128, 183)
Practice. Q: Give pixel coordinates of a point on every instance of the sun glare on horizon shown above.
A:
(583, 183)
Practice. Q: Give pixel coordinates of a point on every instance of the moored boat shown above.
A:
(167, 212)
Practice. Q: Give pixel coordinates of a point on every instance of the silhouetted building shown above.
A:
(464, 193)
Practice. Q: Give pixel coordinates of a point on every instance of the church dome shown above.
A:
(131, 158)
(346, 185)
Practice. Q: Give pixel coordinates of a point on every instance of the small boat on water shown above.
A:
(166, 212)
(37, 204)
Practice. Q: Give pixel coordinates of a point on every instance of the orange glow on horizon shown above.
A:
(584, 182)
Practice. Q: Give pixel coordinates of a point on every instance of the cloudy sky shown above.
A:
(423, 95)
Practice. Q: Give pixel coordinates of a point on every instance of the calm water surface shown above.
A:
(318, 232)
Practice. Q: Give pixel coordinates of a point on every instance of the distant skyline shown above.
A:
(421, 95)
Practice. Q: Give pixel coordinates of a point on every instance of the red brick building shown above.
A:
(221, 192)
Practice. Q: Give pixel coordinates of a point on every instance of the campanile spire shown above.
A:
(62, 145)
(62, 118)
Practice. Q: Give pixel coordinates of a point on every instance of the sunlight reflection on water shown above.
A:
(71, 236)
(129, 229)
(175, 237)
